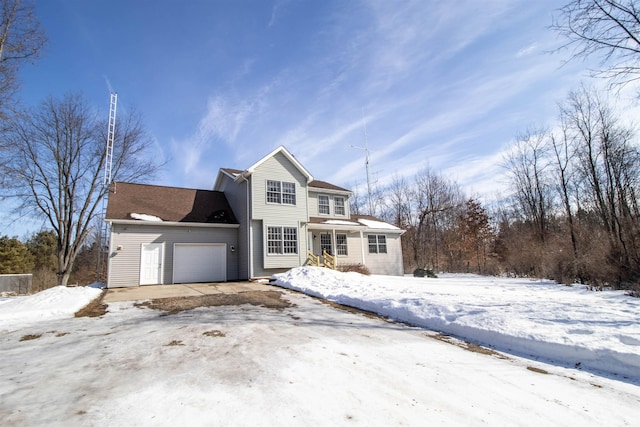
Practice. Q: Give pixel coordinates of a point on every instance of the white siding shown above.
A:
(124, 264)
(389, 263)
(278, 168)
(313, 204)
(264, 214)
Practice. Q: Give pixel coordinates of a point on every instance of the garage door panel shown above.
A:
(197, 263)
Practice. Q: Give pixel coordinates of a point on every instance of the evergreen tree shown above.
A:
(42, 246)
(14, 256)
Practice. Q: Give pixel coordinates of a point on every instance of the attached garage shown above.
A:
(199, 262)
(165, 235)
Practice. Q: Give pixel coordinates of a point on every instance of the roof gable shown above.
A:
(130, 201)
(238, 175)
(289, 157)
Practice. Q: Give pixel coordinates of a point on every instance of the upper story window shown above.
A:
(288, 193)
(377, 244)
(338, 205)
(323, 204)
(281, 192)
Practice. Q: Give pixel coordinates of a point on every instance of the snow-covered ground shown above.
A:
(54, 303)
(308, 364)
(569, 325)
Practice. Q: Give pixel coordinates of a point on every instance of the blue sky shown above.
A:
(221, 83)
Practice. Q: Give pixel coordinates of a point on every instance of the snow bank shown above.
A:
(570, 325)
(54, 303)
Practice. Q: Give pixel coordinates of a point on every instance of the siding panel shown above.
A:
(389, 263)
(313, 205)
(124, 265)
(236, 194)
(277, 168)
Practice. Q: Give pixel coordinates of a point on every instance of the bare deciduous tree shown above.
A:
(608, 29)
(527, 166)
(563, 153)
(436, 200)
(56, 156)
(21, 40)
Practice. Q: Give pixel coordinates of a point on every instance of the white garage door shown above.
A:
(196, 263)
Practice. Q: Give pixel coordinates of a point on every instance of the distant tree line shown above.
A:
(572, 214)
(573, 211)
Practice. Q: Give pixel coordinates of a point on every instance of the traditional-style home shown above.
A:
(262, 220)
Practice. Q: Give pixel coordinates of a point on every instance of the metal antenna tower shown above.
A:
(111, 133)
(103, 245)
(366, 150)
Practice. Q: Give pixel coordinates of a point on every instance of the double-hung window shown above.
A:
(341, 244)
(274, 194)
(282, 240)
(325, 243)
(338, 205)
(377, 244)
(323, 204)
(281, 192)
(288, 193)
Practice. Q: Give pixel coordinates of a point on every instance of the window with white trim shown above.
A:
(281, 192)
(338, 205)
(273, 191)
(325, 243)
(323, 204)
(290, 240)
(377, 244)
(288, 193)
(282, 240)
(341, 244)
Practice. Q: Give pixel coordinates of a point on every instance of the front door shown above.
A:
(151, 264)
(325, 243)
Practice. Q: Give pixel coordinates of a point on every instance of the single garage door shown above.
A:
(199, 262)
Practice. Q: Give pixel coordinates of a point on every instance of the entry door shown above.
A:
(151, 264)
(325, 243)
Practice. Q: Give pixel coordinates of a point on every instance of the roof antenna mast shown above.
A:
(366, 150)
(103, 244)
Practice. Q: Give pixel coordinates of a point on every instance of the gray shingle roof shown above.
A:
(325, 185)
(169, 204)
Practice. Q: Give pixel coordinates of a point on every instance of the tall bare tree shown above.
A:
(527, 167)
(21, 40)
(609, 166)
(606, 29)
(55, 167)
(436, 201)
(563, 154)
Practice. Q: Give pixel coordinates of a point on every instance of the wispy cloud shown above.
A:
(275, 12)
(440, 85)
(528, 50)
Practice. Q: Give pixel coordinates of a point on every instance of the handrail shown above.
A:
(329, 260)
(313, 259)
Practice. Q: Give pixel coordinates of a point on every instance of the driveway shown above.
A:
(271, 357)
(181, 290)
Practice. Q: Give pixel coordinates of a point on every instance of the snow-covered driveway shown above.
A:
(309, 364)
